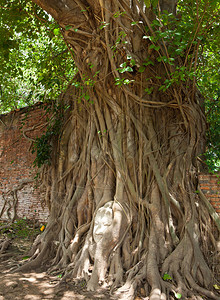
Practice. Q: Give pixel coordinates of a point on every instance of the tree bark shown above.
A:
(123, 181)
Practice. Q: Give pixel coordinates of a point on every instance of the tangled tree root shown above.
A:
(122, 183)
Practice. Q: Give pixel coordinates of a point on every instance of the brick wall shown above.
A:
(210, 186)
(17, 131)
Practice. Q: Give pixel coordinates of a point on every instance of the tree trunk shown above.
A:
(122, 187)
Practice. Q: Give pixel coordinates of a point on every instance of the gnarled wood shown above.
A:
(125, 163)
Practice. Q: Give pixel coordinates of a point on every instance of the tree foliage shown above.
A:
(34, 61)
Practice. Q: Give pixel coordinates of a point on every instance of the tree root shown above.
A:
(10, 205)
(4, 244)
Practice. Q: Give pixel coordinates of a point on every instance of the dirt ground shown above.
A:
(40, 285)
(37, 285)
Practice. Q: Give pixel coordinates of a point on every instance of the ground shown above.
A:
(37, 285)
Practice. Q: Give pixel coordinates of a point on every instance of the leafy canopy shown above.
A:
(35, 64)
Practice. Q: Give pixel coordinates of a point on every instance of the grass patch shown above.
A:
(21, 228)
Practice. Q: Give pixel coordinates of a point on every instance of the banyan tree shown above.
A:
(126, 210)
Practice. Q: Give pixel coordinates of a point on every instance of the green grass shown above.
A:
(21, 228)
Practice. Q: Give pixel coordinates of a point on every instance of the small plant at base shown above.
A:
(166, 277)
(25, 257)
(21, 228)
(178, 295)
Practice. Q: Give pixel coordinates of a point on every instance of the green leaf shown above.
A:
(118, 81)
(124, 64)
(25, 257)
(86, 97)
(145, 37)
(147, 3)
(129, 69)
(118, 13)
(178, 51)
(133, 62)
(154, 3)
(141, 69)
(56, 31)
(127, 81)
(154, 47)
(149, 90)
(149, 62)
(217, 287)
(104, 24)
(68, 27)
(167, 277)
(178, 295)
(156, 23)
(122, 70)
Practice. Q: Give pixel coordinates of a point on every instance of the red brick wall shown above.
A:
(16, 159)
(210, 186)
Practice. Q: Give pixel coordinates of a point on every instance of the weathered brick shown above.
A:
(205, 187)
(16, 160)
(211, 188)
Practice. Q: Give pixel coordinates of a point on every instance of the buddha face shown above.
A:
(103, 220)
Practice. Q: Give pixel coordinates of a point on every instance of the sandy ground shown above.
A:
(36, 285)
(39, 285)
